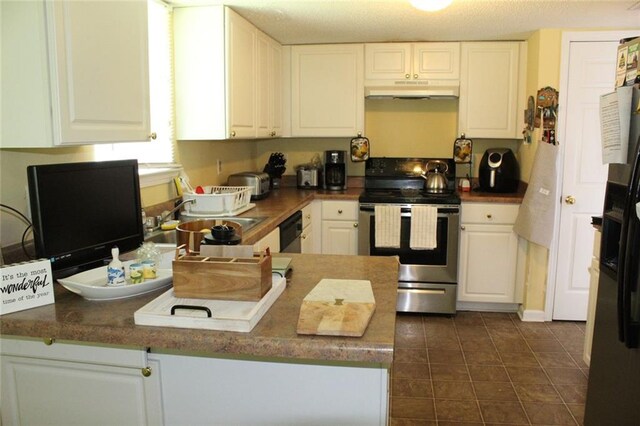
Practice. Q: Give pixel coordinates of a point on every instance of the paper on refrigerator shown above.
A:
(615, 118)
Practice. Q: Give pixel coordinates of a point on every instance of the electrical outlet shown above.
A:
(219, 166)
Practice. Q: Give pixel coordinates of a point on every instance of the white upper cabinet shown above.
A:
(492, 89)
(269, 77)
(327, 90)
(241, 75)
(227, 76)
(74, 72)
(411, 61)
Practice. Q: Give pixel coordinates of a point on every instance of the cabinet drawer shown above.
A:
(339, 210)
(489, 213)
(306, 216)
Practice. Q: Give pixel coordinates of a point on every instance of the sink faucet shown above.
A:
(163, 218)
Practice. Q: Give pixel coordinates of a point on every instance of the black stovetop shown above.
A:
(398, 180)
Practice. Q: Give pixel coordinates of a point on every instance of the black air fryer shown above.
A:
(499, 171)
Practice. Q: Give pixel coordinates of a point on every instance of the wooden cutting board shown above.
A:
(337, 308)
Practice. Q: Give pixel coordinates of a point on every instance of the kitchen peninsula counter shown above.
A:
(80, 360)
(72, 318)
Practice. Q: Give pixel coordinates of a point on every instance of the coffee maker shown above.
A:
(335, 170)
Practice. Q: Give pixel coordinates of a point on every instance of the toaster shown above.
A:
(258, 181)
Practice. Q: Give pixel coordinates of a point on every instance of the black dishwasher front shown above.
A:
(290, 231)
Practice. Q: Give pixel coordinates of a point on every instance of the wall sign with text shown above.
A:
(25, 285)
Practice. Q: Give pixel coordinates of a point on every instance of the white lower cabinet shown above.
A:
(271, 240)
(67, 383)
(200, 390)
(307, 237)
(491, 254)
(339, 227)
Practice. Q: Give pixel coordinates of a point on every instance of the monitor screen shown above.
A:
(81, 211)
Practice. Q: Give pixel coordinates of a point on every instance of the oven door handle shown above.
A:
(406, 212)
(424, 290)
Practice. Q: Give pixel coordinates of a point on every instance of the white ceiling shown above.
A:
(343, 21)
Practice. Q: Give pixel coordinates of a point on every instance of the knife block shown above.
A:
(222, 278)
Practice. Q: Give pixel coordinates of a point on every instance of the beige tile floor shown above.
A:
(485, 369)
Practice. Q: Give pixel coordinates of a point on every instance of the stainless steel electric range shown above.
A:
(428, 278)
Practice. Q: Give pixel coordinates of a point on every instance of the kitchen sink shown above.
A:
(170, 237)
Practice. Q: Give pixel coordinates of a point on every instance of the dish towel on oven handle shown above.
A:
(387, 221)
(424, 228)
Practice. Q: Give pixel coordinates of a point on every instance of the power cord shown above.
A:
(26, 231)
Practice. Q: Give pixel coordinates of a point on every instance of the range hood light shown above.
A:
(430, 5)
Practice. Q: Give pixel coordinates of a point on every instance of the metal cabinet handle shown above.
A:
(570, 199)
(407, 76)
(273, 133)
(303, 236)
(415, 76)
(463, 228)
(489, 215)
(146, 371)
(308, 216)
(233, 133)
(339, 211)
(153, 136)
(49, 341)
(355, 225)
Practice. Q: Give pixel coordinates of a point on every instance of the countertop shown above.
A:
(476, 196)
(72, 318)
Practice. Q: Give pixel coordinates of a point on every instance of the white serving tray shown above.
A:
(92, 284)
(226, 315)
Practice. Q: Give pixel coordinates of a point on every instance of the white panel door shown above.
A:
(100, 71)
(591, 74)
(241, 76)
(327, 90)
(339, 237)
(488, 261)
(489, 90)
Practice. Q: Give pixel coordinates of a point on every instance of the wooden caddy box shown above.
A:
(222, 278)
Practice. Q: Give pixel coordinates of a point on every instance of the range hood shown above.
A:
(413, 90)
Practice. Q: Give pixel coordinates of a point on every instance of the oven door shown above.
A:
(439, 265)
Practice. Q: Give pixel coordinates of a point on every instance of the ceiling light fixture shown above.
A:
(430, 5)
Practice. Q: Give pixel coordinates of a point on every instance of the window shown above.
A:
(157, 154)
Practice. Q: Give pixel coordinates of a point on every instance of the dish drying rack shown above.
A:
(218, 199)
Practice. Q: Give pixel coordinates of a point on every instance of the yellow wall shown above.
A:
(543, 69)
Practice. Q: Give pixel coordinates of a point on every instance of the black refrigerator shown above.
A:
(613, 393)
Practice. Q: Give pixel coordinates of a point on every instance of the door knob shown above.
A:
(570, 200)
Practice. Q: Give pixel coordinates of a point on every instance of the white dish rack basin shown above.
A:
(218, 199)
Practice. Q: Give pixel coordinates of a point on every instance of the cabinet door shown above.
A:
(271, 240)
(199, 72)
(241, 75)
(263, 76)
(63, 79)
(339, 237)
(100, 71)
(269, 81)
(306, 240)
(490, 90)
(327, 92)
(78, 384)
(275, 88)
(488, 261)
(387, 61)
(439, 61)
